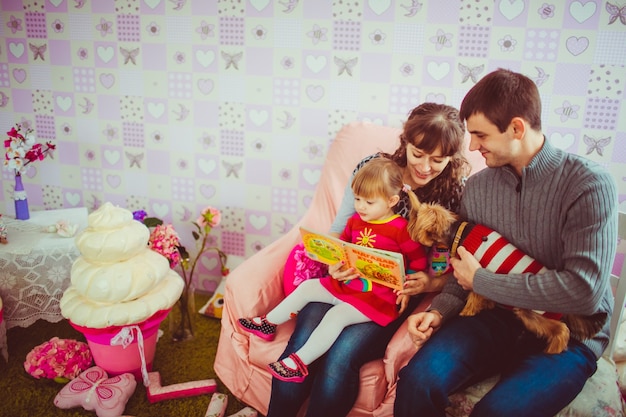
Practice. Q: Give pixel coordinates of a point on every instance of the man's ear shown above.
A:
(518, 127)
(394, 200)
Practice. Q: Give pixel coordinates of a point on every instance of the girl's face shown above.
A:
(372, 209)
(422, 167)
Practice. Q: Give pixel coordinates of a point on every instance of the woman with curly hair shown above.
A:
(430, 155)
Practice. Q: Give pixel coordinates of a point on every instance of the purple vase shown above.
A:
(21, 202)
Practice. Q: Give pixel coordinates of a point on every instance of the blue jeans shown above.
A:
(468, 349)
(333, 381)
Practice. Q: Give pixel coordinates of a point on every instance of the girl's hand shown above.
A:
(403, 302)
(339, 272)
(420, 282)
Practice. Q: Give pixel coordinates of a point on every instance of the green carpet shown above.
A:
(23, 395)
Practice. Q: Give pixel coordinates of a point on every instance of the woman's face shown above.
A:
(422, 167)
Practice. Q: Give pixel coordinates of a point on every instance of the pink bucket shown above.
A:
(125, 349)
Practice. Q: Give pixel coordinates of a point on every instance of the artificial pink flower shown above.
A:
(210, 217)
(58, 358)
(164, 240)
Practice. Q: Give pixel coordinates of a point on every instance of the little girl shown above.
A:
(376, 186)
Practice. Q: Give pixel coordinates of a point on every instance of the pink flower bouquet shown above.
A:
(58, 359)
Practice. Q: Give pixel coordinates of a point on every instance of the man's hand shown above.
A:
(465, 267)
(422, 325)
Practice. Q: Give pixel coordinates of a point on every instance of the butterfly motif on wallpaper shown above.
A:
(134, 159)
(597, 145)
(616, 12)
(345, 65)
(232, 169)
(472, 73)
(38, 51)
(129, 55)
(232, 60)
(94, 390)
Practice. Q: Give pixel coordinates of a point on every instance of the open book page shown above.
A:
(380, 266)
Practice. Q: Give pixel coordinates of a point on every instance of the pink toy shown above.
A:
(217, 406)
(95, 391)
(185, 389)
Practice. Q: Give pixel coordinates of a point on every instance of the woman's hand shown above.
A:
(422, 325)
(339, 272)
(420, 282)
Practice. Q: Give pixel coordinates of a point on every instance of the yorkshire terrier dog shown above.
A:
(496, 254)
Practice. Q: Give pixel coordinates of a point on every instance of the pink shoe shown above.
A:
(283, 372)
(265, 330)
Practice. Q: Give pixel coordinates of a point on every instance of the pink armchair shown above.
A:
(256, 286)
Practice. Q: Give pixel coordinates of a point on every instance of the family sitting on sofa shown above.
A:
(556, 207)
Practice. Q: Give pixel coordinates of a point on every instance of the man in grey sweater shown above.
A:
(558, 208)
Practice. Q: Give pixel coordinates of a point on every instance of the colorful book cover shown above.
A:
(380, 266)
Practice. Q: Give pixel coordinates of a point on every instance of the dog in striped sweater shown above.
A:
(498, 255)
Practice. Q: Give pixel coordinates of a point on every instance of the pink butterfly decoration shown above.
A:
(94, 390)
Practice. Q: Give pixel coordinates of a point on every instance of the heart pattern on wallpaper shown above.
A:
(156, 110)
(207, 191)
(152, 3)
(161, 210)
(112, 157)
(205, 86)
(17, 49)
(107, 80)
(312, 176)
(315, 92)
(379, 6)
(258, 117)
(105, 53)
(582, 12)
(438, 98)
(114, 181)
(19, 75)
(316, 63)
(208, 263)
(72, 198)
(562, 141)
(258, 222)
(438, 70)
(207, 166)
(205, 58)
(64, 103)
(511, 8)
(576, 46)
(306, 201)
(259, 4)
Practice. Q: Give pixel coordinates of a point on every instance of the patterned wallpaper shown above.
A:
(172, 105)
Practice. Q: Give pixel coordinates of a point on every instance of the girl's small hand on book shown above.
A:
(340, 272)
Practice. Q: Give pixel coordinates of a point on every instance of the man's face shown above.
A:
(496, 147)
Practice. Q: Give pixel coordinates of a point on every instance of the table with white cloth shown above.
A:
(35, 265)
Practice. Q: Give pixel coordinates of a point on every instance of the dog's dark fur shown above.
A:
(430, 224)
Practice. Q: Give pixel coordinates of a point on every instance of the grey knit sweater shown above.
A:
(562, 212)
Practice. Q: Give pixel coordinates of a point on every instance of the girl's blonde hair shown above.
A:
(380, 177)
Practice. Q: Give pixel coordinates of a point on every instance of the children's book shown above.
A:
(381, 266)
